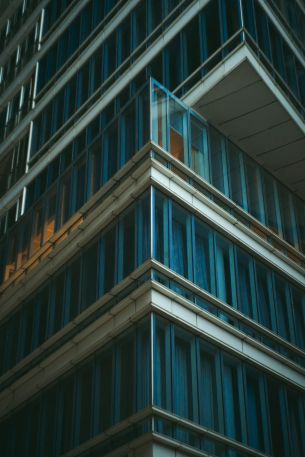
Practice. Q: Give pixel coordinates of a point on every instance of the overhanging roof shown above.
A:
(244, 102)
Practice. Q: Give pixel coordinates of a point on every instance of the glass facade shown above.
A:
(152, 288)
(192, 378)
(108, 143)
(88, 277)
(188, 246)
(112, 385)
(206, 385)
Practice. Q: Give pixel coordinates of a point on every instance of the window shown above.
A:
(126, 250)
(283, 308)
(225, 271)
(73, 285)
(109, 53)
(232, 400)
(48, 426)
(143, 227)
(104, 390)
(271, 201)
(82, 92)
(191, 47)
(89, 276)
(199, 148)
(58, 304)
(210, 30)
(107, 261)
(172, 58)
(184, 381)
(160, 118)
(287, 214)
(245, 284)
(256, 414)
(49, 226)
(26, 343)
(218, 161)
(80, 183)
(296, 422)
(42, 312)
(180, 258)
(66, 415)
(254, 190)
(37, 228)
(230, 18)
(139, 25)
(277, 415)
(161, 233)
(128, 133)
(143, 364)
(65, 199)
(96, 159)
(162, 370)
(125, 385)
(203, 257)
(264, 296)
(123, 41)
(178, 139)
(31, 431)
(236, 175)
(86, 21)
(110, 152)
(95, 71)
(298, 303)
(74, 35)
(208, 387)
(85, 403)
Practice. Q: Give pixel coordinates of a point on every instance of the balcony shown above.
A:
(155, 119)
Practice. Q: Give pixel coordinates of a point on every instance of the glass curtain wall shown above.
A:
(110, 386)
(201, 382)
(190, 139)
(73, 177)
(192, 378)
(192, 248)
(122, 246)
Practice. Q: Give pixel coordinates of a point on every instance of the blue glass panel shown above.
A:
(125, 385)
(245, 284)
(224, 263)
(203, 260)
(199, 147)
(207, 385)
(85, 403)
(255, 411)
(179, 241)
(89, 276)
(254, 190)
(236, 175)
(104, 404)
(183, 384)
(264, 296)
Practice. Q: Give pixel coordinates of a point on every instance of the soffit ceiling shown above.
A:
(243, 107)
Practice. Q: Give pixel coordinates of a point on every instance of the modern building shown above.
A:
(152, 228)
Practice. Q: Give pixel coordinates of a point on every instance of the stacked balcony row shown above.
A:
(108, 143)
(71, 179)
(190, 139)
(197, 42)
(120, 248)
(118, 52)
(185, 244)
(191, 377)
